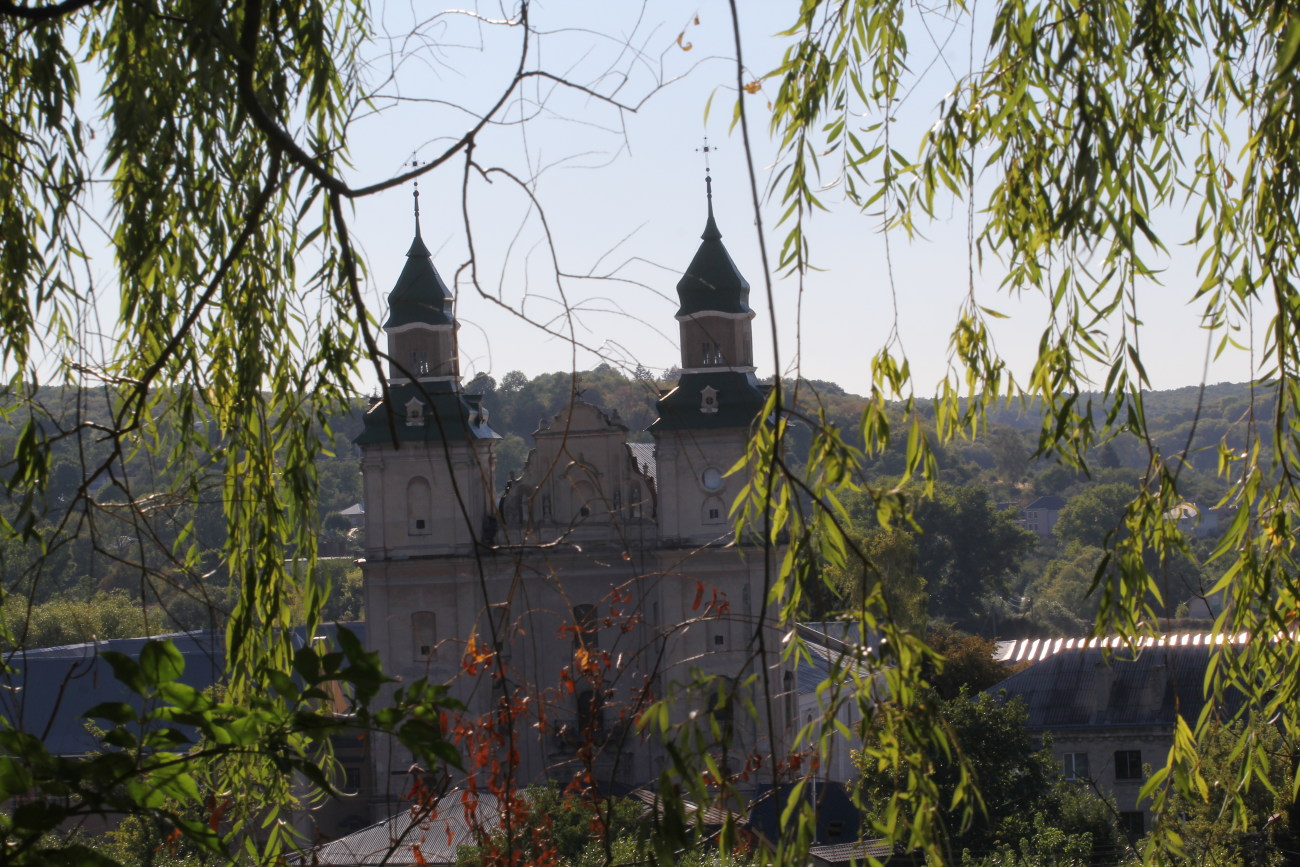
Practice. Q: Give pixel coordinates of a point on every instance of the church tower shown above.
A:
(428, 447)
(427, 461)
(703, 425)
(713, 609)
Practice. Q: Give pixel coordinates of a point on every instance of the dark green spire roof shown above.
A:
(712, 282)
(420, 295)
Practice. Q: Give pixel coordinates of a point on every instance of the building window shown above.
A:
(585, 633)
(423, 625)
(415, 412)
(1133, 824)
(1128, 764)
(500, 625)
(420, 363)
(787, 684)
(708, 399)
(419, 502)
(722, 717)
(719, 640)
(1074, 766)
(591, 712)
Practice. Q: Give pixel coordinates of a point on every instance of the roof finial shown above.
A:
(416, 196)
(708, 173)
(710, 228)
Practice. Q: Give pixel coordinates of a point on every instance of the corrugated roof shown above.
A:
(51, 687)
(1034, 649)
(1142, 688)
(414, 836)
(643, 456)
(847, 853)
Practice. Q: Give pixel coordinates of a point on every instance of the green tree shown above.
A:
(1018, 780)
(1265, 833)
(554, 827)
(885, 561)
(968, 663)
(967, 549)
(1095, 514)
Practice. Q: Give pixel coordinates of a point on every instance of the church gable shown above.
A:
(580, 478)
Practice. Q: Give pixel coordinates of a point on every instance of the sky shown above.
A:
(587, 212)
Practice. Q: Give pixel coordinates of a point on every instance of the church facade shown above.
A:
(600, 605)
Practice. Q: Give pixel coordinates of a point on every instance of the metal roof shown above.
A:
(643, 457)
(51, 688)
(1034, 649)
(740, 399)
(712, 282)
(414, 836)
(1087, 687)
(447, 416)
(419, 295)
(834, 646)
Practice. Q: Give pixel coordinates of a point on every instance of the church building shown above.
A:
(601, 604)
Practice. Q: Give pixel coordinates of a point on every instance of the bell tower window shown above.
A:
(420, 363)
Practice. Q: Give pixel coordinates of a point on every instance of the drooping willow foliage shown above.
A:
(1076, 135)
(217, 148)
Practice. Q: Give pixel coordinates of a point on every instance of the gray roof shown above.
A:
(832, 645)
(643, 456)
(712, 282)
(419, 294)
(1051, 503)
(435, 834)
(1143, 688)
(852, 853)
(740, 400)
(50, 688)
(449, 416)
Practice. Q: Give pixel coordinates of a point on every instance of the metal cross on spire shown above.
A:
(416, 196)
(708, 172)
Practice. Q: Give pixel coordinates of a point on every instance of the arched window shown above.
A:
(722, 716)
(586, 632)
(787, 682)
(423, 634)
(584, 498)
(419, 507)
(591, 712)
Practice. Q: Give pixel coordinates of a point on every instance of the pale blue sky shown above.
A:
(623, 195)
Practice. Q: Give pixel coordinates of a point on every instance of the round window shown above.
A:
(711, 478)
